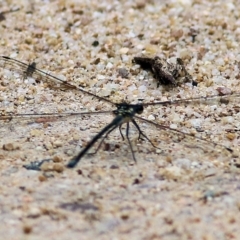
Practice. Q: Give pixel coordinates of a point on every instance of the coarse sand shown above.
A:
(185, 187)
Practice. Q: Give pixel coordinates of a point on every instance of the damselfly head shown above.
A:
(139, 108)
(133, 108)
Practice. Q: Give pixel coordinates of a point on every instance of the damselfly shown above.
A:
(170, 138)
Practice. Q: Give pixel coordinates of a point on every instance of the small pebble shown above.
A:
(8, 147)
(151, 118)
(123, 72)
(57, 159)
(57, 144)
(58, 167)
(123, 50)
(34, 212)
(224, 91)
(27, 229)
(231, 136)
(42, 178)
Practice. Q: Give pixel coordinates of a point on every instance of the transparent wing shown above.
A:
(36, 75)
(184, 147)
(208, 116)
(208, 100)
(33, 137)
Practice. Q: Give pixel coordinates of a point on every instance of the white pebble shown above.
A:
(124, 50)
(183, 163)
(125, 58)
(174, 170)
(215, 72)
(195, 164)
(142, 88)
(220, 62)
(109, 65)
(173, 126)
(196, 123)
(132, 88)
(100, 77)
(227, 119)
(151, 118)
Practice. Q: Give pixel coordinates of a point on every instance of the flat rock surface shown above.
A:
(184, 183)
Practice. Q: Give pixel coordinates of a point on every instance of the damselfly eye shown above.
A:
(139, 108)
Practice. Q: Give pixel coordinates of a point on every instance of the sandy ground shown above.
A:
(186, 188)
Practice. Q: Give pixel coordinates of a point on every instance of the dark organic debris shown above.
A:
(166, 73)
(3, 13)
(75, 206)
(36, 165)
(210, 194)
